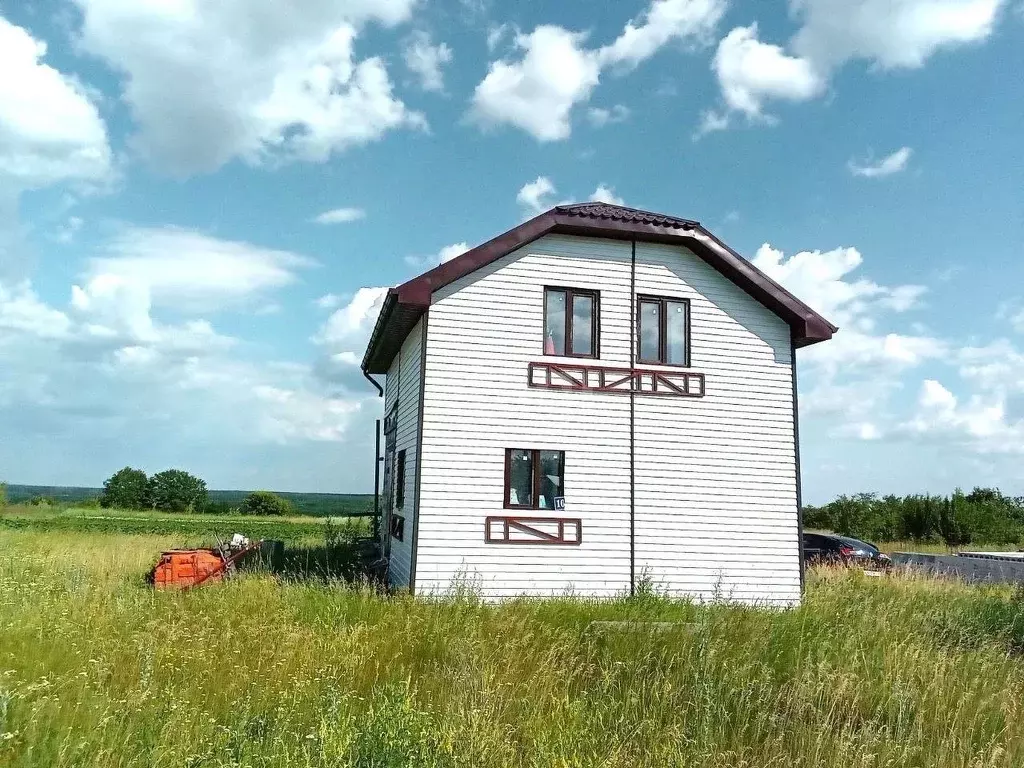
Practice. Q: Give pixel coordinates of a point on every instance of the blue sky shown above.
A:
(199, 211)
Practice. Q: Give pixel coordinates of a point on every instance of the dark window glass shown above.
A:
(534, 479)
(583, 324)
(400, 481)
(650, 331)
(675, 332)
(663, 327)
(554, 315)
(520, 478)
(398, 527)
(571, 320)
(551, 471)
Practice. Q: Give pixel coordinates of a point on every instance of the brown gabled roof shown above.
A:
(405, 304)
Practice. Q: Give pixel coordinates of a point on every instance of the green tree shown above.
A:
(265, 503)
(175, 490)
(126, 489)
(3, 495)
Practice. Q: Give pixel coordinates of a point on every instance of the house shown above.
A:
(598, 399)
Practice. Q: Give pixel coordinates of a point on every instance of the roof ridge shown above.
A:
(596, 209)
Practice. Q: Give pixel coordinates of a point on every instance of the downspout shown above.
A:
(632, 420)
(378, 387)
(799, 489)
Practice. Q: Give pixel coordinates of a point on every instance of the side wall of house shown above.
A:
(403, 387)
(714, 488)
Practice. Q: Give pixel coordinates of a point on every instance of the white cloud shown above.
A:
(889, 33)
(50, 129)
(66, 232)
(600, 117)
(605, 194)
(982, 424)
(664, 21)
(556, 72)
(536, 196)
(887, 166)
(329, 301)
(426, 60)
(538, 92)
(349, 326)
(447, 253)
(187, 269)
(750, 72)
(496, 34)
(340, 216)
(256, 80)
(1017, 321)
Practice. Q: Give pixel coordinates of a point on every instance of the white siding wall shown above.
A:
(716, 511)
(715, 477)
(483, 330)
(403, 386)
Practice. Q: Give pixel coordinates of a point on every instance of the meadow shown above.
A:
(96, 669)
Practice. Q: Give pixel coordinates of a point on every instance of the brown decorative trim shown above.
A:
(572, 377)
(405, 304)
(662, 302)
(595, 321)
(535, 464)
(569, 530)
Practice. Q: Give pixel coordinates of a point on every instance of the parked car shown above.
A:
(832, 549)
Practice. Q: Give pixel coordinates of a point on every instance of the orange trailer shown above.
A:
(185, 568)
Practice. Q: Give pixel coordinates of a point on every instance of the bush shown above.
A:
(983, 516)
(126, 489)
(175, 490)
(265, 503)
(42, 501)
(3, 495)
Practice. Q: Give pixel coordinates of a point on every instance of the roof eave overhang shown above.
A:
(405, 304)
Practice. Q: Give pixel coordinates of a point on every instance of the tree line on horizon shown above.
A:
(983, 516)
(175, 490)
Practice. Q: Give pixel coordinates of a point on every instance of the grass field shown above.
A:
(98, 670)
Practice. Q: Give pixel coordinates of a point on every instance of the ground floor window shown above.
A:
(534, 479)
(398, 527)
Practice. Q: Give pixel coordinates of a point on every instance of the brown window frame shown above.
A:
(663, 302)
(400, 480)
(535, 461)
(595, 321)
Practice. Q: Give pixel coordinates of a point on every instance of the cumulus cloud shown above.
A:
(556, 71)
(887, 166)
(537, 92)
(889, 34)
(426, 60)
(751, 72)
(605, 194)
(256, 80)
(340, 216)
(50, 129)
(536, 196)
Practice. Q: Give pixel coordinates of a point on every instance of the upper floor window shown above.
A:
(663, 326)
(534, 479)
(571, 326)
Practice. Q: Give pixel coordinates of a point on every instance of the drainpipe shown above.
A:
(380, 390)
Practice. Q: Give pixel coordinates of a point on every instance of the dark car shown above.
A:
(830, 548)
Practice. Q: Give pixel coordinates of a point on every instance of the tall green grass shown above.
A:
(98, 670)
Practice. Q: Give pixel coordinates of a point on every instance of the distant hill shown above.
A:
(316, 504)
